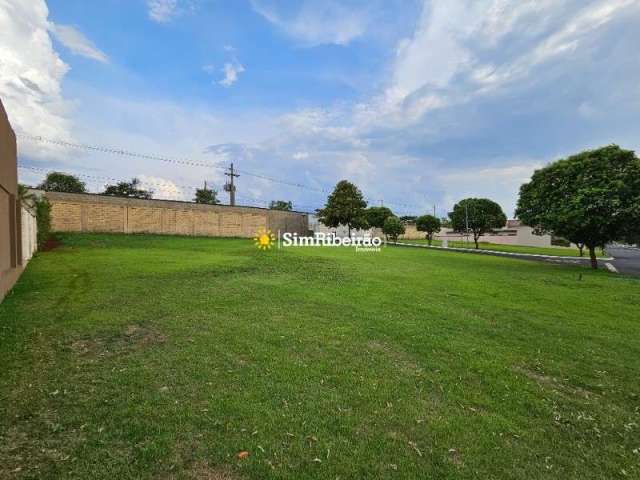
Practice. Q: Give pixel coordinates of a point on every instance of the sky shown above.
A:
(418, 102)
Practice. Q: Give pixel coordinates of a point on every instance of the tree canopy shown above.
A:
(207, 196)
(376, 216)
(128, 189)
(428, 224)
(393, 228)
(345, 206)
(591, 198)
(479, 215)
(281, 205)
(62, 182)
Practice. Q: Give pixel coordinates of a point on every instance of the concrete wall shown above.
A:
(10, 214)
(71, 212)
(29, 228)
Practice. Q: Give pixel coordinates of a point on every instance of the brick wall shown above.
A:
(72, 212)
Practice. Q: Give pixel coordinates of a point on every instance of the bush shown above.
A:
(393, 228)
(43, 219)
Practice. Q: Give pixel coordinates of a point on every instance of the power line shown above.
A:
(116, 151)
(124, 152)
(180, 187)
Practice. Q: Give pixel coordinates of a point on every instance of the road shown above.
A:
(626, 259)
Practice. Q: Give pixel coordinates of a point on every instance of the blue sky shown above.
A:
(418, 102)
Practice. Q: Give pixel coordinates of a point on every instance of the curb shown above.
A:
(499, 253)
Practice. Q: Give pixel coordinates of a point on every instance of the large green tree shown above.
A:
(345, 206)
(478, 216)
(128, 189)
(62, 182)
(206, 196)
(428, 224)
(284, 205)
(376, 216)
(591, 198)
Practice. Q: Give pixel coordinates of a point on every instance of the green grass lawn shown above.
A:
(553, 251)
(147, 357)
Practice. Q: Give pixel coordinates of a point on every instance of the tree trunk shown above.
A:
(349, 227)
(475, 240)
(429, 239)
(592, 255)
(581, 248)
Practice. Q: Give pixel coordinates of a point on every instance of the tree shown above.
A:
(477, 215)
(393, 228)
(428, 224)
(207, 196)
(345, 206)
(281, 205)
(591, 198)
(62, 182)
(128, 189)
(376, 216)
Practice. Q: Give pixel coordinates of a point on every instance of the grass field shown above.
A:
(140, 357)
(553, 251)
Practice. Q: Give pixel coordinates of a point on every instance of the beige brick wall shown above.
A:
(97, 213)
(66, 217)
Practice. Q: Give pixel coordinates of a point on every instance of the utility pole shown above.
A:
(434, 209)
(230, 187)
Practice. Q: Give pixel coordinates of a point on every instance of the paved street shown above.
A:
(627, 260)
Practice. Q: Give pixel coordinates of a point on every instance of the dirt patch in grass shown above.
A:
(400, 359)
(554, 383)
(203, 471)
(51, 244)
(133, 338)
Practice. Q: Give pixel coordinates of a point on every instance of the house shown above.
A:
(513, 233)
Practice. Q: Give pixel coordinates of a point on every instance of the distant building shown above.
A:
(316, 225)
(514, 233)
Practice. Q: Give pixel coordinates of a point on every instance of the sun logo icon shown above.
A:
(264, 239)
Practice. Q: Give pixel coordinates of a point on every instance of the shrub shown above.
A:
(43, 220)
(393, 228)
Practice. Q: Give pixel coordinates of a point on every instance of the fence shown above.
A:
(71, 212)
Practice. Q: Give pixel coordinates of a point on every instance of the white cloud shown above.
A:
(164, 189)
(77, 42)
(316, 23)
(231, 71)
(162, 11)
(501, 183)
(31, 74)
